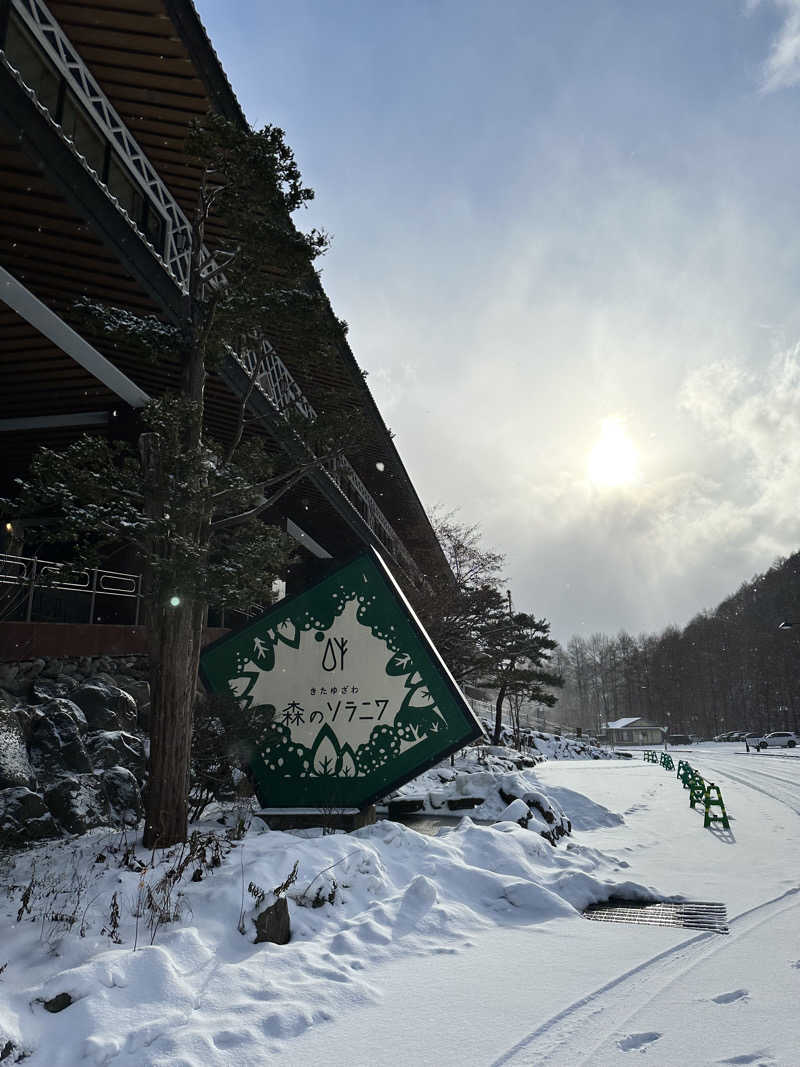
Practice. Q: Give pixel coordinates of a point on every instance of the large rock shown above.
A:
(517, 811)
(24, 817)
(56, 739)
(116, 748)
(46, 689)
(15, 767)
(8, 673)
(79, 803)
(140, 691)
(272, 924)
(122, 793)
(105, 706)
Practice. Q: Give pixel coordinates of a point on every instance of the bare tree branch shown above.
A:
(240, 418)
(253, 513)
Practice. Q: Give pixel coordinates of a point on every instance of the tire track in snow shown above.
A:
(760, 773)
(570, 1037)
(794, 796)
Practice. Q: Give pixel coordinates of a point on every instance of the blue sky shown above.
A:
(548, 216)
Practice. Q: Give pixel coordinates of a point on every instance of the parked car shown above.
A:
(679, 739)
(778, 739)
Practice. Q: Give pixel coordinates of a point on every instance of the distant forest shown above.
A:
(737, 667)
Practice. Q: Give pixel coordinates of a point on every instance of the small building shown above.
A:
(635, 731)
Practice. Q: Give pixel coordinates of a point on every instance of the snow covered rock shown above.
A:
(140, 691)
(272, 924)
(105, 706)
(57, 709)
(517, 811)
(45, 689)
(481, 782)
(122, 792)
(56, 738)
(116, 748)
(79, 803)
(24, 817)
(15, 767)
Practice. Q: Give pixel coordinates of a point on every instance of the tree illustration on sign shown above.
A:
(418, 717)
(383, 745)
(242, 686)
(282, 756)
(400, 663)
(264, 654)
(288, 632)
(348, 767)
(325, 754)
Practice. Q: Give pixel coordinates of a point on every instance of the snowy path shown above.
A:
(675, 1007)
(594, 994)
(590, 1030)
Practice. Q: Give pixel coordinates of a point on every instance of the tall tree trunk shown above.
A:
(175, 633)
(498, 715)
(174, 660)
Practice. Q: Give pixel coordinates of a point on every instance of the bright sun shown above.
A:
(612, 461)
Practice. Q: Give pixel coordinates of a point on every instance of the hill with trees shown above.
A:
(734, 667)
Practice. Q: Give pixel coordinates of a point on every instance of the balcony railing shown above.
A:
(159, 221)
(31, 588)
(41, 590)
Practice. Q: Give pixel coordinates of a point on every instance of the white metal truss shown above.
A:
(274, 379)
(58, 48)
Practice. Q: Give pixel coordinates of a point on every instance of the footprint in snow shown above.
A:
(762, 1058)
(729, 998)
(634, 1042)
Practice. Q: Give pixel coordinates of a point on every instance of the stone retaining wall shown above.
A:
(72, 745)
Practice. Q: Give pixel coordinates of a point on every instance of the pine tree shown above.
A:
(517, 648)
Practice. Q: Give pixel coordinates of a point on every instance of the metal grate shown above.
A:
(692, 914)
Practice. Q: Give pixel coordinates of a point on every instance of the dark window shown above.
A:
(84, 134)
(27, 57)
(37, 73)
(153, 227)
(123, 188)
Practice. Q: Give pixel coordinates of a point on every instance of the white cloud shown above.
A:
(756, 417)
(647, 555)
(782, 67)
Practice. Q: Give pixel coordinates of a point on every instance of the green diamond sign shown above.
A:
(362, 700)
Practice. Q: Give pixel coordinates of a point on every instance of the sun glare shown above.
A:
(612, 461)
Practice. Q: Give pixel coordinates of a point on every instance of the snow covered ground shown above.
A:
(466, 948)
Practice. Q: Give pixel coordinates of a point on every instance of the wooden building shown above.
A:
(634, 731)
(95, 197)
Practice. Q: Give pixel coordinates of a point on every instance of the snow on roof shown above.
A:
(620, 724)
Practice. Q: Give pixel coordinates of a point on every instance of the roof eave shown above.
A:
(187, 22)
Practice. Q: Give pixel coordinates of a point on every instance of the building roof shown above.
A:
(61, 236)
(623, 724)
